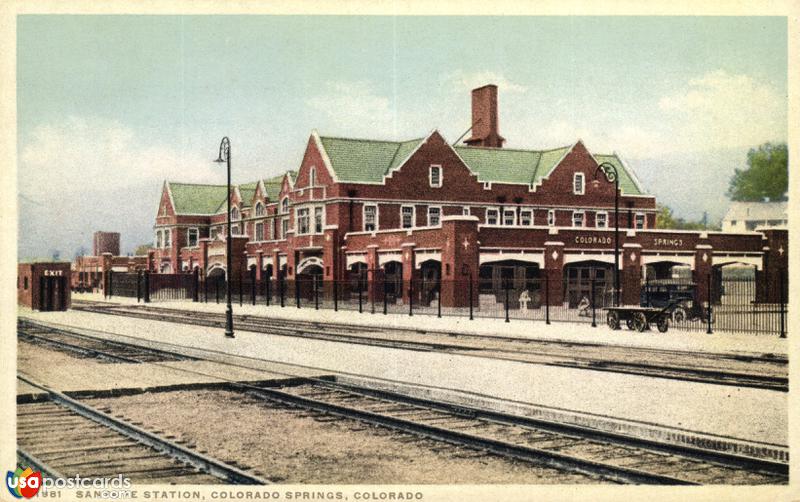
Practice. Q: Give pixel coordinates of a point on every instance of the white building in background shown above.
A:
(747, 216)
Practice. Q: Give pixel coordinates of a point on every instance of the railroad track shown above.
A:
(602, 455)
(63, 437)
(723, 369)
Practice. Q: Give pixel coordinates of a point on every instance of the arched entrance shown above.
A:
(430, 272)
(578, 277)
(516, 275)
(393, 277)
(166, 268)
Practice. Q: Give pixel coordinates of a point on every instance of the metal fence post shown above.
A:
(297, 290)
(470, 298)
(783, 302)
(439, 299)
(253, 286)
(710, 278)
(269, 293)
(138, 286)
(146, 286)
(506, 284)
(411, 296)
(360, 298)
(335, 295)
(216, 289)
(241, 283)
(196, 295)
(384, 295)
(316, 293)
(546, 299)
(282, 288)
(372, 289)
(110, 282)
(594, 317)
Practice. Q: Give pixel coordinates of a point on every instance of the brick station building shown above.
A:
(424, 208)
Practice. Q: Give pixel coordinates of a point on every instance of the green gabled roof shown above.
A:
(273, 187)
(248, 191)
(197, 199)
(504, 165)
(627, 184)
(365, 160)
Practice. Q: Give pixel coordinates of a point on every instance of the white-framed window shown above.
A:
(526, 217)
(259, 231)
(577, 218)
(434, 216)
(284, 227)
(285, 205)
(487, 185)
(302, 220)
(235, 230)
(167, 238)
(192, 236)
(159, 239)
(235, 214)
(319, 217)
(640, 221)
(260, 209)
(370, 217)
(271, 225)
(435, 176)
(601, 219)
(465, 211)
(492, 216)
(551, 217)
(312, 176)
(407, 216)
(579, 183)
(509, 217)
(213, 233)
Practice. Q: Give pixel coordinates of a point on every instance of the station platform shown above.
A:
(719, 342)
(726, 412)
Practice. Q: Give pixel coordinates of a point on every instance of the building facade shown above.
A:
(424, 208)
(105, 242)
(749, 216)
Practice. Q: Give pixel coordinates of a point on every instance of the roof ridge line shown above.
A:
(368, 140)
(501, 149)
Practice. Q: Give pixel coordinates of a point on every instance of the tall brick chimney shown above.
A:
(485, 127)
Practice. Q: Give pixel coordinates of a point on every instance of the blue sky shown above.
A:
(109, 106)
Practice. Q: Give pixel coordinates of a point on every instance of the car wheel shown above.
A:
(612, 319)
(639, 322)
(663, 324)
(679, 315)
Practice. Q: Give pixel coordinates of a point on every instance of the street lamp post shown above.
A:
(612, 176)
(225, 156)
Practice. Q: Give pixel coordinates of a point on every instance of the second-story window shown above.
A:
(285, 205)
(526, 217)
(579, 183)
(271, 225)
(312, 176)
(407, 216)
(551, 217)
(159, 239)
(601, 219)
(640, 221)
(259, 231)
(370, 218)
(260, 209)
(192, 236)
(318, 217)
(509, 217)
(235, 214)
(577, 218)
(435, 175)
(284, 227)
(167, 238)
(302, 220)
(492, 216)
(434, 216)
(465, 211)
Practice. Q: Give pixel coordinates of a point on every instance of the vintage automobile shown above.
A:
(676, 295)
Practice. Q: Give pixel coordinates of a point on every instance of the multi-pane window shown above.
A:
(526, 217)
(302, 220)
(213, 233)
(235, 230)
(577, 218)
(318, 219)
(192, 235)
(639, 220)
(407, 216)
(285, 205)
(370, 218)
(509, 217)
(167, 238)
(492, 216)
(434, 216)
(235, 214)
(159, 239)
(259, 231)
(260, 209)
(551, 217)
(312, 176)
(436, 176)
(579, 183)
(284, 227)
(601, 220)
(465, 211)
(271, 224)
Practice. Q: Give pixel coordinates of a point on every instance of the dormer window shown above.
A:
(312, 176)
(285, 205)
(260, 209)
(579, 183)
(435, 175)
(235, 214)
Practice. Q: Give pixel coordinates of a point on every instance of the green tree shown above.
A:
(665, 218)
(767, 174)
(141, 250)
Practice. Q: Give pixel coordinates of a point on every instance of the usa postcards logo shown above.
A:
(24, 482)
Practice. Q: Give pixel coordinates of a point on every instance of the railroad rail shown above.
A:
(603, 455)
(64, 437)
(762, 372)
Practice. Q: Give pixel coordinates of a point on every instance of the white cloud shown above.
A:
(82, 155)
(721, 110)
(462, 81)
(354, 108)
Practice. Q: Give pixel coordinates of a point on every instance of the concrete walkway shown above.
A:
(699, 341)
(741, 413)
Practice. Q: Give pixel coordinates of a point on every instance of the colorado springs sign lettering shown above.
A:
(592, 239)
(662, 241)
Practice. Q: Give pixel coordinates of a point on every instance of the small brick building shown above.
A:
(44, 285)
(105, 242)
(428, 209)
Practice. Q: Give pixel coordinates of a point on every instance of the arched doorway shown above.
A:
(518, 276)
(578, 277)
(166, 268)
(393, 277)
(430, 272)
